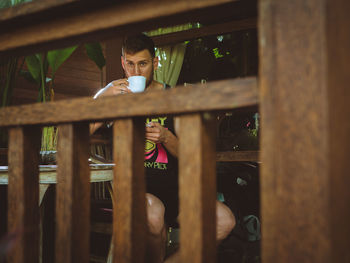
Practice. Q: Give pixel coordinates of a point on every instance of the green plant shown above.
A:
(11, 67)
(43, 68)
(94, 52)
(9, 3)
(9, 71)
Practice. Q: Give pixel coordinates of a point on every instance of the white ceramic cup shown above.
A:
(137, 83)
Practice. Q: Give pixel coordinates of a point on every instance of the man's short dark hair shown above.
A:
(137, 43)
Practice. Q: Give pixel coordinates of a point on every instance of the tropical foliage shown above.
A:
(42, 68)
(9, 3)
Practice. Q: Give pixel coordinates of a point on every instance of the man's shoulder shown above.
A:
(164, 85)
(156, 85)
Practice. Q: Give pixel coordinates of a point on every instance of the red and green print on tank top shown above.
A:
(155, 154)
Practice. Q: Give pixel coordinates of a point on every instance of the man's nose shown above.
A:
(137, 70)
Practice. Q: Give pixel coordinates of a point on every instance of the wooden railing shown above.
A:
(197, 156)
(303, 90)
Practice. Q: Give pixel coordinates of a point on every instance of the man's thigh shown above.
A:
(154, 205)
(169, 198)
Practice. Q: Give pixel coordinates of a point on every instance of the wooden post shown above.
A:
(114, 69)
(197, 186)
(73, 194)
(304, 94)
(338, 83)
(129, 215)
(23, 193)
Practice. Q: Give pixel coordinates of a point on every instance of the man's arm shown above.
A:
(172, 144)
(116, 87)
(95, 126)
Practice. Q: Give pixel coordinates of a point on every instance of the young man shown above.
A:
(161, 151)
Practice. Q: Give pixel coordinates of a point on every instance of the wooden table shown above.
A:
(47, 176)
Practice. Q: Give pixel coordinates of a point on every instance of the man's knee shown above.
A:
(225, 221)
(155, 214)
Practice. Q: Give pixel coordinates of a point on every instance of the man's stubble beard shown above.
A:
(150, 79)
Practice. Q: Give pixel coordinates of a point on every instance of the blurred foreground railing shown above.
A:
(197, 156)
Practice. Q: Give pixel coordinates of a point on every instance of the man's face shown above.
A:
(139, 64)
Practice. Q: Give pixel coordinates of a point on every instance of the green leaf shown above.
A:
(43, 72)
(9, 3)
(94, 52)
(5, 3)
(27, 75)
(33, 65)
(57, 57)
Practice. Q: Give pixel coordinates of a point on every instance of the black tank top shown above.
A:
(160, 165)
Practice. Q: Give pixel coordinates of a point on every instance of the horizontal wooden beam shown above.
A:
(104, 172)
(214, 96)
(89, 21)
(217, 29)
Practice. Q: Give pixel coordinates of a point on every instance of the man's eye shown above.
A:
(130, 64)
(143, 64)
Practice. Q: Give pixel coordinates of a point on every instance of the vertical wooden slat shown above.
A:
(23, 193)
(73, 194)
(338, 88)
(129, 215)
(304, 94)
(197, 186)
(113, 53)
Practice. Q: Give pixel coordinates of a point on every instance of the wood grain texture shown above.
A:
(197, 186)
(338, 83)
(237, 156)
(129, 215)
(114, 69)
(23, 193)
(108, 18)
(304, 92)
(73, 194)
(218, 95)
(295, 170)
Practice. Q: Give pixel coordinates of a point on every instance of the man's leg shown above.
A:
(156, 229)
(225, 222)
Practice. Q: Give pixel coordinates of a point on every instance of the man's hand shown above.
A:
(156, 133)
(116, 87)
